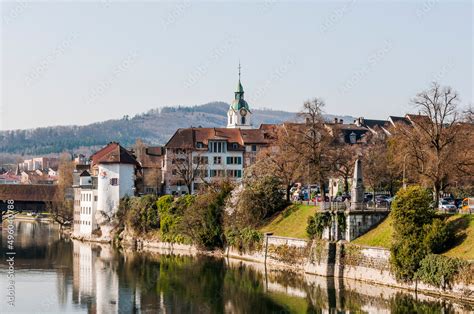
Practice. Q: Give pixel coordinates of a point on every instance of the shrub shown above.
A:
(406, 256)
(203, 219)
(411, 211)
(417, 232)
(244, 240)
(439, 270)
(140, 214)
(171, 213)
(261, 198)
(437, 236)
(317, 223)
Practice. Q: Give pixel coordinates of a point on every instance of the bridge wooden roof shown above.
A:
(27, 192)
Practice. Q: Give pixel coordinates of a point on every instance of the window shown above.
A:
(197, 160)
(352, 138)
(254, 148)
(217, 160)
(217, 147)
(200, 173)
(114, 181)
(217, 173)
(95, 198)
(199, 145)
(234, 160)
(234, 173)
(243, 120)
(235, 145)
(230, 119)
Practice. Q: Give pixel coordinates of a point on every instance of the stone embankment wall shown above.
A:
(341, 260)
(329, 259)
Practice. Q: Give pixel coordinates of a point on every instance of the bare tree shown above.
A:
(314, 144)
(376, 165)
(188, 165)
(62, 206)
(281, 159)
(431, 144)
(343, 159)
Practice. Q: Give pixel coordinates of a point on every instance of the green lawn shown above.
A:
(464, 245)
(380, 236)
(463, 226)
(291, 222)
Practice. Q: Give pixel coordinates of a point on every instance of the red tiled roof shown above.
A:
(113, 153)
(187, 138)
(418, 118)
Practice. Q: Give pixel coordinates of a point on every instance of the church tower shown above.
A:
(239, 113)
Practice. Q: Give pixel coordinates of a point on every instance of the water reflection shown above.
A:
(95, 278)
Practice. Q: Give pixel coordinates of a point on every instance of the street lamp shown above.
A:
(404, 171)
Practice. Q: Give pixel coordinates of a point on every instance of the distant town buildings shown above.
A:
(39, 163)
(192, 158)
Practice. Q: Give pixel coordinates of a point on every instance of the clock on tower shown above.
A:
(239, 113)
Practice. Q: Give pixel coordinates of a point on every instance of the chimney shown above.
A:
(335, 120)
(341, 121)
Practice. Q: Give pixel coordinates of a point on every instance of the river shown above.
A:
(54, 274)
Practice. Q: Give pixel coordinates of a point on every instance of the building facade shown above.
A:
(110, 178)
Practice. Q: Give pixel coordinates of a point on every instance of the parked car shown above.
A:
(458, 202)
(445, 206)
(468, 205)
(448, 199)
(319, 198)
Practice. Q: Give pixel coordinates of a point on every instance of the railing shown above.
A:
(342, 206)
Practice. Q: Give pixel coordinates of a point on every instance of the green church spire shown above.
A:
(239, 94)
(239, 101)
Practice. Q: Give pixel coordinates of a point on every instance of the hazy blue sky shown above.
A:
(79, 62)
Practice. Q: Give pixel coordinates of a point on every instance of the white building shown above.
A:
(115, 181)
(205, 154)
(111, 177)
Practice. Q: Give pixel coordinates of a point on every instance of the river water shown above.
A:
(54, 274)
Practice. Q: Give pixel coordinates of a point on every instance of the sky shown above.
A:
(79, 62)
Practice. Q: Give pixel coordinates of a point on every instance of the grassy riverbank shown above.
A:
(462, 225)
(291, 222)
(380, 236)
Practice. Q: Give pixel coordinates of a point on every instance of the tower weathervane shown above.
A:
(239, 70)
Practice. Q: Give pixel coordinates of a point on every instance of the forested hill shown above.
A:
(153, 127)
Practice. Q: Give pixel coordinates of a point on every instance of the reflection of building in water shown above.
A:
(96, 283)
(84, 277)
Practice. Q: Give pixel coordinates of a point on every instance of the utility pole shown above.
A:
(404, 171)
